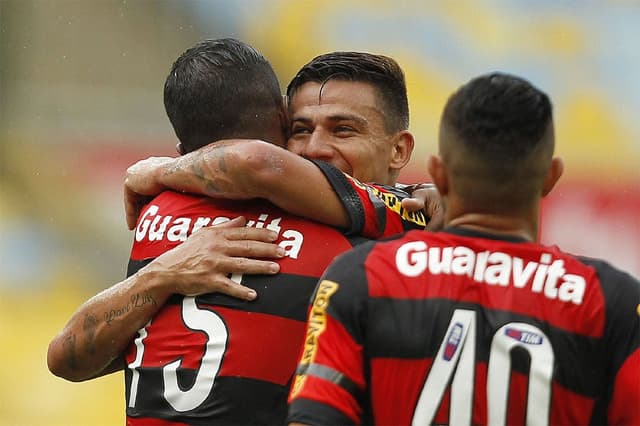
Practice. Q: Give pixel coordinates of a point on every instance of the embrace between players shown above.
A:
(243, 323)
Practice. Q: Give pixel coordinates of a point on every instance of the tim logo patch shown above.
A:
(453, 341)
(524, 336)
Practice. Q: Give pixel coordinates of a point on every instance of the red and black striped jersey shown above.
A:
(459, 327)
(213, 359)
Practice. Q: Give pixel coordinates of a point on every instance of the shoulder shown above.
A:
(610, 277)
(618, 287)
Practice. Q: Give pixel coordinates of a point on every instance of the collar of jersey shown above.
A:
(466, 232)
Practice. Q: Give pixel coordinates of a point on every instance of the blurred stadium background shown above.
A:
(81, 99)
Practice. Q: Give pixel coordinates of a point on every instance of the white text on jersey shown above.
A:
(493, 268)
(155, 227)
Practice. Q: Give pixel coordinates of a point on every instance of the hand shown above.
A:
(141, 184)
(426, 197)
(203, 263)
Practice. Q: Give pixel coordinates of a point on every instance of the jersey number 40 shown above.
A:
(456, 356)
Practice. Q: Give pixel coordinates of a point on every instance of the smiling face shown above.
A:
(342, 123)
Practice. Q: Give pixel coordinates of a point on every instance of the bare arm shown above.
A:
(92, 341)
(99, 330)
(239, 169)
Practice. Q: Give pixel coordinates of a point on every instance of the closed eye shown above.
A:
(300, 130)
(344, 130)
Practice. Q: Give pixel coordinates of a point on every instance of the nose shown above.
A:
(318, 147)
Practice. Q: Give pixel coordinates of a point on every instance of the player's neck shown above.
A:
(497, 224)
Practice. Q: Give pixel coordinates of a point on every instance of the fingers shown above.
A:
(254, 249)
(233, 289)
(228, 286)
(235, 222)
(240, 242)
(219, 242)
(143, 177)
(218, 278)
(234, 230)
(243, 265)
(140, 184)
(413, 204)
(427, 198)
(257, 234)
(436, 217)
(133, 204)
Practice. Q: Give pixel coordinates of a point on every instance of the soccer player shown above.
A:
(208, 358)
(478, 323)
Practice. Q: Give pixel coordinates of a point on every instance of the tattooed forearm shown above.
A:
(116, 313)
(205, 171)
(69, 346)
(89, 328)
(207, 185)
(211, 168)
(138, 300)
(177, 166)
(217, 156)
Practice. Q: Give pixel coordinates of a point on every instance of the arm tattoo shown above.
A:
(138, 300)
(219, 154)
(211, 167)
(206, 173)
(69, 346)
(116, 313)
(207, 184)
(89, 328)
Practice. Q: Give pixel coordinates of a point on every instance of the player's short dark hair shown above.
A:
(499, 115)
(496, 135)
(220, 89)
(382, 72)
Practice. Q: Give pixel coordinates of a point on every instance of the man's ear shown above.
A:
(438, 172)
(553, 174)
(401, 151)
(180, 148)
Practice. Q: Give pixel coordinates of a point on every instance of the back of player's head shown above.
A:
(496, 135)
(220, 89)
(382, 72)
